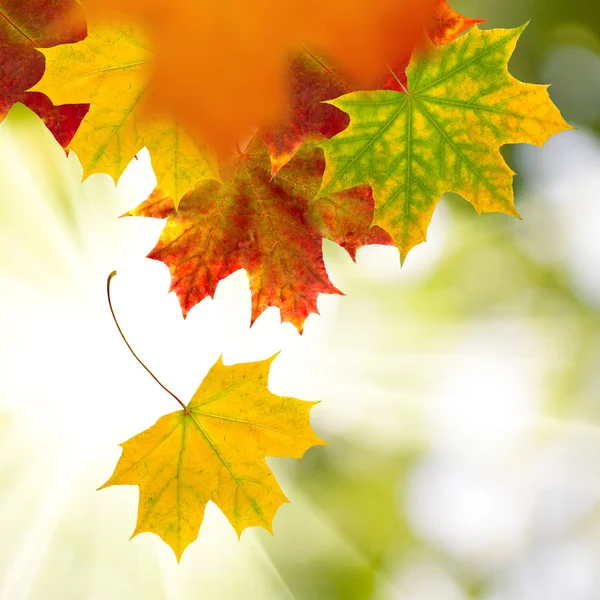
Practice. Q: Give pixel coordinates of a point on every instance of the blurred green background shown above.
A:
(460, 394)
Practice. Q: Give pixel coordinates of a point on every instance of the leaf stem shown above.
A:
(130, 348)
(397, 79)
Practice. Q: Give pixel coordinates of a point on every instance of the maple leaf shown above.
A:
(273, 228)
(215, 450)
(313, 79)
(444, 135)
(25, 27)
(111, 71)
(237, 51)
(445, 27)
(447, 24)
(345, 218)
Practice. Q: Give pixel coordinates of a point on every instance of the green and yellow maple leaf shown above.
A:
(443, 135)
(215, 450)
(111, 70)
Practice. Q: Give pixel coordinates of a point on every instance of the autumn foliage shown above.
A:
(271, 126)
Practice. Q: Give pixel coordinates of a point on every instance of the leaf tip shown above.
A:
(269, 361)
(178, 553)
(403, 252)
(277, 163)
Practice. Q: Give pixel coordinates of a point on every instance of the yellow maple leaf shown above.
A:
(111, 70)
(215, 450)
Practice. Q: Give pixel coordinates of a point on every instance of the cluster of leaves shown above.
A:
(354, 147)
(432, 122)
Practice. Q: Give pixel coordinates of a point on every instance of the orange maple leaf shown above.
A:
(313, 80)
(220, 66)
(25, 26)
(273, 228)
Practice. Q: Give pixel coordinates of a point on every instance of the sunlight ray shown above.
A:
(29, 556)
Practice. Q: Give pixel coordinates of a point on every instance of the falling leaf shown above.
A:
(215, 450)
(444, 135)
(313, 79)
(220, 65)
(111, 71)
(273, 228)
(25, 27)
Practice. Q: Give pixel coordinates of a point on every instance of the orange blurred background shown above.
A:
(220, 66)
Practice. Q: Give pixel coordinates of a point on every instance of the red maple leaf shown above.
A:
(272, 228)
(25, 26)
